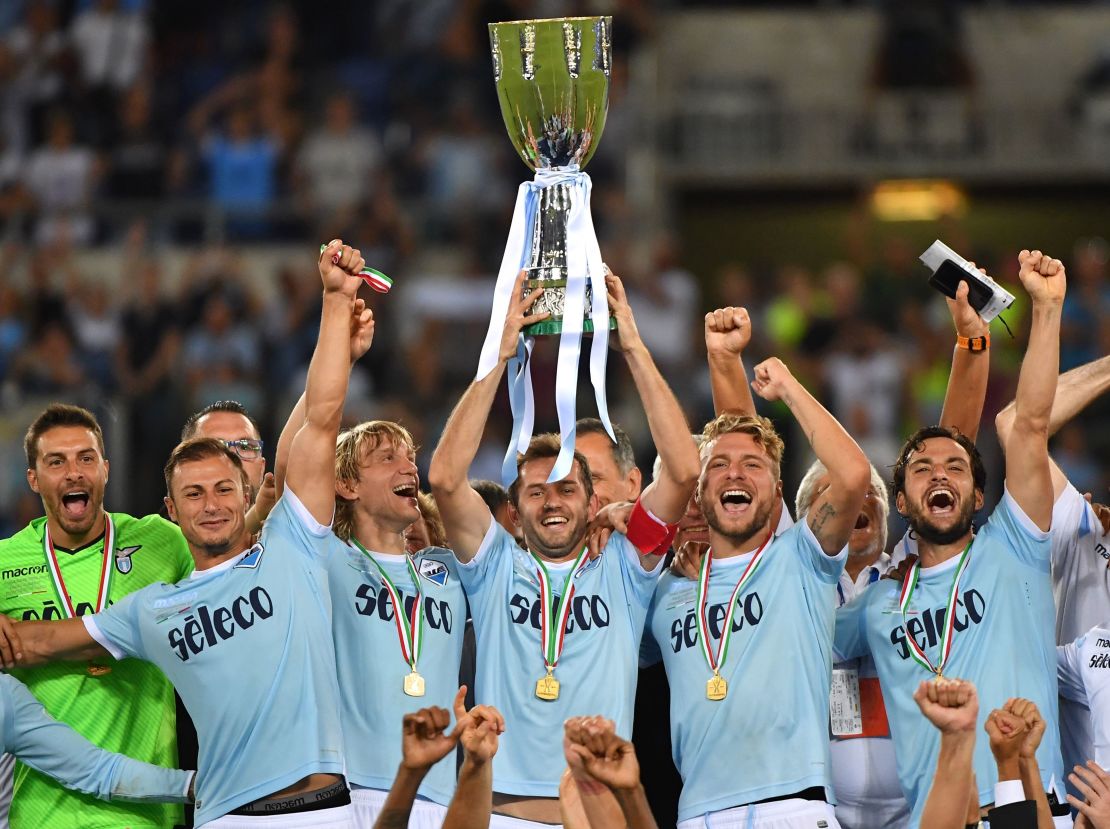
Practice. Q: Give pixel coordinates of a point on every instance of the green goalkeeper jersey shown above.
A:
(129, 708)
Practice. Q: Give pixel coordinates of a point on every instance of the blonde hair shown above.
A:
(351, 448)
(760, 428)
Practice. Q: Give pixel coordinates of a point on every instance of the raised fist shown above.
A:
(1043, 277)
(340, 268)
(727, 331)
(772, 379)
(950, 704)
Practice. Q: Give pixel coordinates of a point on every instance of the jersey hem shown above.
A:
(732, 801)
(268, 787)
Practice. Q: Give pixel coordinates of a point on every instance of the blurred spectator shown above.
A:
(138, 154)
(13, 327)
(50, 367)
(60, 178)
(38, 51)
(337, 163)
(112, 45)
(1085, 327)
(221, 359)
(45, 303)
(96, 330)
(1074, 456)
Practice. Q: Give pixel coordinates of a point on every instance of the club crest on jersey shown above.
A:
(434, 571)
(587, 566)
(123, 558)
(251, 559)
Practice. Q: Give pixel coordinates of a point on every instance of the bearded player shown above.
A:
(247, 638)
(976, 605)
(76, 561)
(557, 634)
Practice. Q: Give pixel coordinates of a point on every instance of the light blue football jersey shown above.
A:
(371, 668)
(769, 736)
(248, 646)
(34, 737)
(598, 667)
(1003, 642)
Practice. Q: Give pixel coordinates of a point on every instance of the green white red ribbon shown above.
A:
(65, 603)
(716, 660)
(553, 626)
(909, 584)
(374, 278)
(410, 629)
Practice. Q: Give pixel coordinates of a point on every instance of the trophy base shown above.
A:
(555, 326)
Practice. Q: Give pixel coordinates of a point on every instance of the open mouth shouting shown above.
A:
(736, 501)
(862, 522)
(940, 502)
(407, 491)
(75, 504)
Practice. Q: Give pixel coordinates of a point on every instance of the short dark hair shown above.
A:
(623, 454)
(189, 430)
(916, 442)
(199, 449)
(492, 493)
(54, 415)
(548, 446)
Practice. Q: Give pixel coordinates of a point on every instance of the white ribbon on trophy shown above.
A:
(584, 266)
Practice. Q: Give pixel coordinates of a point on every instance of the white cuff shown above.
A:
(313, 526)
(1007, 792)
(1023, 520)
(102, 640)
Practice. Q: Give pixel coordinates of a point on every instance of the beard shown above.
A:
(926, 530)
(743, 533)
(534, 539)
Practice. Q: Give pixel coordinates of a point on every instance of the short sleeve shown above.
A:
(479, 573)
(1069, 671)
(1017, 533)
(1072, 518)
(116, 628)
(638, 582)
(290, 524)
(827, 568)
(849, 636)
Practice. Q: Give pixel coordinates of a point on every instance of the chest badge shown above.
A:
(123, 558)
(434, 571)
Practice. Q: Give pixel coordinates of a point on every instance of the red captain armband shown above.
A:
(647, 533)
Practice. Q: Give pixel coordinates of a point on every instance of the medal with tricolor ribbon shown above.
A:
(716, 688)
(909, 584)
(553, 624)
(65, 603)
(410, 629)
(374, 278)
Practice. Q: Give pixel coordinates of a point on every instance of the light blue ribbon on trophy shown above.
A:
(583, 265)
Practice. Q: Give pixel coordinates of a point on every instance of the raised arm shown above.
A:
(967, 381)
(311, 468)
(361, 337)
(465, 514)
(55, 749)
(834, 512)
(25, 644)
(1028, 477)
(605, 770)
(666, 497)
(951, 706)
(472, 802)
(727, 333)
(1075, 390)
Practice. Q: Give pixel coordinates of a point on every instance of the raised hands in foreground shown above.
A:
(604, 770)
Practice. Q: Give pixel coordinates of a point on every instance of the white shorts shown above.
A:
(781, 814)
(367, 805)
(864, 777)
(339, 817)
(505, 822)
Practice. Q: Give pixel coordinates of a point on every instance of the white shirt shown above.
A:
(1083, 669)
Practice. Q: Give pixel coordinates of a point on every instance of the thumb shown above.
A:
(961, 291)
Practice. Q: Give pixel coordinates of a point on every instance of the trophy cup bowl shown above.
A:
(552, 79)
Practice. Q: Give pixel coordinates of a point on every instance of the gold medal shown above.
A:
(547, 687)
(716, 688)
(98, 670)
(414, 685)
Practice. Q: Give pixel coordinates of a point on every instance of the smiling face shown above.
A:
(939, 496)
(738, 487)
(387, 484)
(70, 475)
(209, 501)
(553, 517)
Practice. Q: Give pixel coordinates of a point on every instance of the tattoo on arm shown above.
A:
(817, 522)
